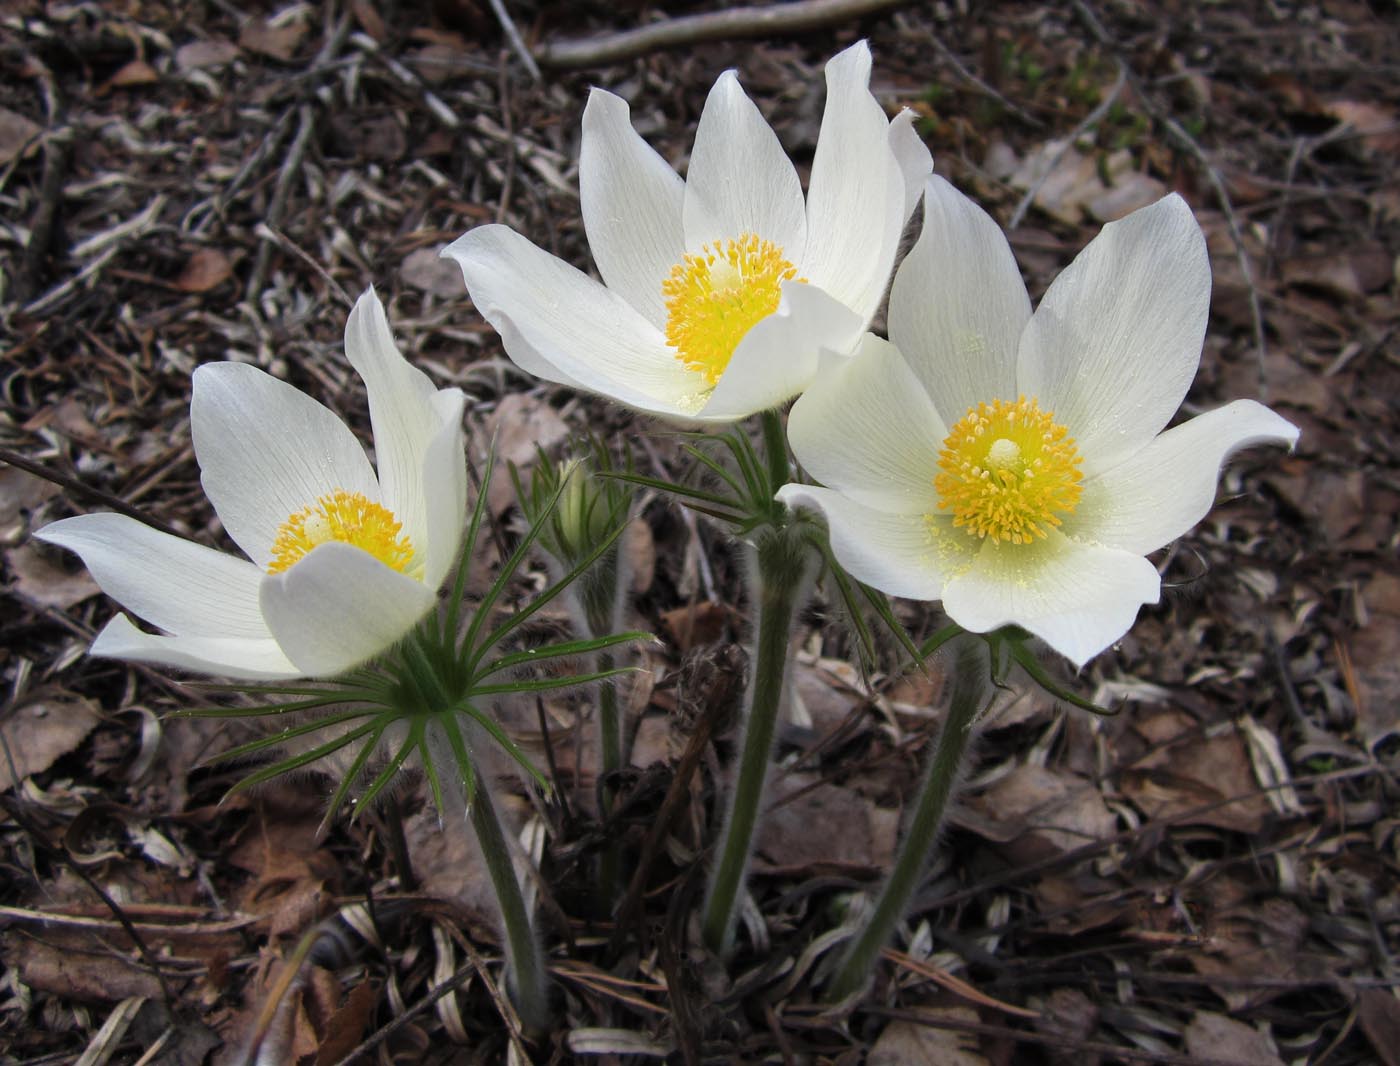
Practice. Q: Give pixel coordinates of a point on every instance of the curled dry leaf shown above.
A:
(1215, 1036)
(912, 1044)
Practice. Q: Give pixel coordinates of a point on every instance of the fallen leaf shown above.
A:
(205, 55)
(854, 831)
(17, 134)
(96, 976)
(520, 423)
(426, 270)
(38, 734)
(20, 493)
(1379, 1012)
(912, 1044)
(136, 73)
(382, 139)
(1215, 1036)
(274, 41)
(1071, 184)
(1378, 126)
(369, 19)
(1374, 652)
(1038, 813)
(206, 269)
(639, 551)
(696, 624)
(45, 583)
(346, 1027)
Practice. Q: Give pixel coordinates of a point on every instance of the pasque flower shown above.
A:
(341, 562)
(719, 291)
(1014, 465)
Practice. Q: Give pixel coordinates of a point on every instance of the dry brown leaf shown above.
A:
(276, 42)
(1379, 126)
(639, 551)
(17, 134)
(1181, 776)
(206, 55)
(822, 827)
(1375, 660)
(911, 1044)
(1038, 812)
(99, 976)
(134, 74)
(38, 734)
(20, 493)
(519, 423)
(206, 269)
(427, 271)
(1379, 1012)
(1073, 184)
(42, 582)
(1215, 1036)
(696, 624)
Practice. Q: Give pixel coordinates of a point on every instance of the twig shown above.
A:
(906, 28)
(278, 206)
(1176, 133)
(796, 17)
(517, 43)
(1092, 119)
(81, 488)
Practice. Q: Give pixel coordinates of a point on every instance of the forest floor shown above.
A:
(1209, 876)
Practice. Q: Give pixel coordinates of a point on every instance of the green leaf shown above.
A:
(561, 650)
(549, 684)
(1026, 659)
(280, 737)
(347, 782)
(499, 736)
(390, 769)
(267, 773)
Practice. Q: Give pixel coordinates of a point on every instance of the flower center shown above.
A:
(349, 517)
(715, 297)
(1009, 471)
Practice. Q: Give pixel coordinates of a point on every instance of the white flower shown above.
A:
(343, 563)
(1014, 465)
(721, 290)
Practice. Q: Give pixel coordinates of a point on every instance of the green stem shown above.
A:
(969, 685)
(610, 737)
(775, 451)
(782, 562)
(525, 971)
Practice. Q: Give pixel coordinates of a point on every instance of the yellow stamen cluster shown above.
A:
(715, 297)
(1009, 472)
(348, 517)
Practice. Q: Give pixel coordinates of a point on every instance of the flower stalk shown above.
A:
(781, 572)
(970, 680)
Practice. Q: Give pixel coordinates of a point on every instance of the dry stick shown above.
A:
(907, 30)
(1092, 119)
(76, 485)
(280, 194)
(517, 43)
(796, 17)
(1193, 148)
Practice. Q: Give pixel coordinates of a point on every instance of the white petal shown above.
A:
(182, 587)
(1078, 598)
(912, 156)
(561, 325)
(1116, 340)
(404, 411)
(340, 607)
(778, 357)
(445, 478)
(266, 451)
(908, 555)
(740, 180)
(239, 658)
(958, 305)
(855, 200)
(869, 430)
(631, 200)
(1166, 488)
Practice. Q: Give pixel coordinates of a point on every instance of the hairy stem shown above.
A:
(524, 961)
(969, 685)
(779, 580)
